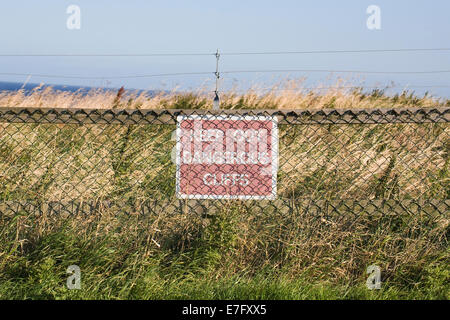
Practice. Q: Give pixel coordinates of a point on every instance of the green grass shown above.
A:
(349, 196)
(149, 285)
(218, 258)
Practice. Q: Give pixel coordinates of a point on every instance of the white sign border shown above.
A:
(274, 151)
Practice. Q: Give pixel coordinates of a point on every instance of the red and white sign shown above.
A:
(226, 157)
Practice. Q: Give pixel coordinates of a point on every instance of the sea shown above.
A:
(28, 88)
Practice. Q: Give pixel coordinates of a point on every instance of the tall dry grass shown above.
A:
(286, 95)
(348, 198)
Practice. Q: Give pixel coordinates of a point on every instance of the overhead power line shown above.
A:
(336, 71)
(339, 87)
(214, 73)
(106, 77)
(104, 54)
(335, 51)
(213, 53)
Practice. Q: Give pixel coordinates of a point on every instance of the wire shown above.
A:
(107, 55)
(341, 87)
(336, 71)
(226, 53)
(222, 72)
(106, 77)
(335, 51)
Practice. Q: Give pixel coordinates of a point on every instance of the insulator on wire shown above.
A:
(216, 102)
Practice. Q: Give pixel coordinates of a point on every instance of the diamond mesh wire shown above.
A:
(74, 161)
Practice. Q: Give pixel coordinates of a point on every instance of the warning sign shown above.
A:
(226, 157)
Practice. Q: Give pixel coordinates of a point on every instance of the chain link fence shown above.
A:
(344, 162)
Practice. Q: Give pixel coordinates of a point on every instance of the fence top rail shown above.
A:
(169, 116)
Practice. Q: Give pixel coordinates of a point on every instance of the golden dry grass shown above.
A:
(286, 95)
(349, 196)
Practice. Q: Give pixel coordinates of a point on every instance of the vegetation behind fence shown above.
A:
(354, 187)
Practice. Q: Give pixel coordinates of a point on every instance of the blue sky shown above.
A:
(142, 26)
